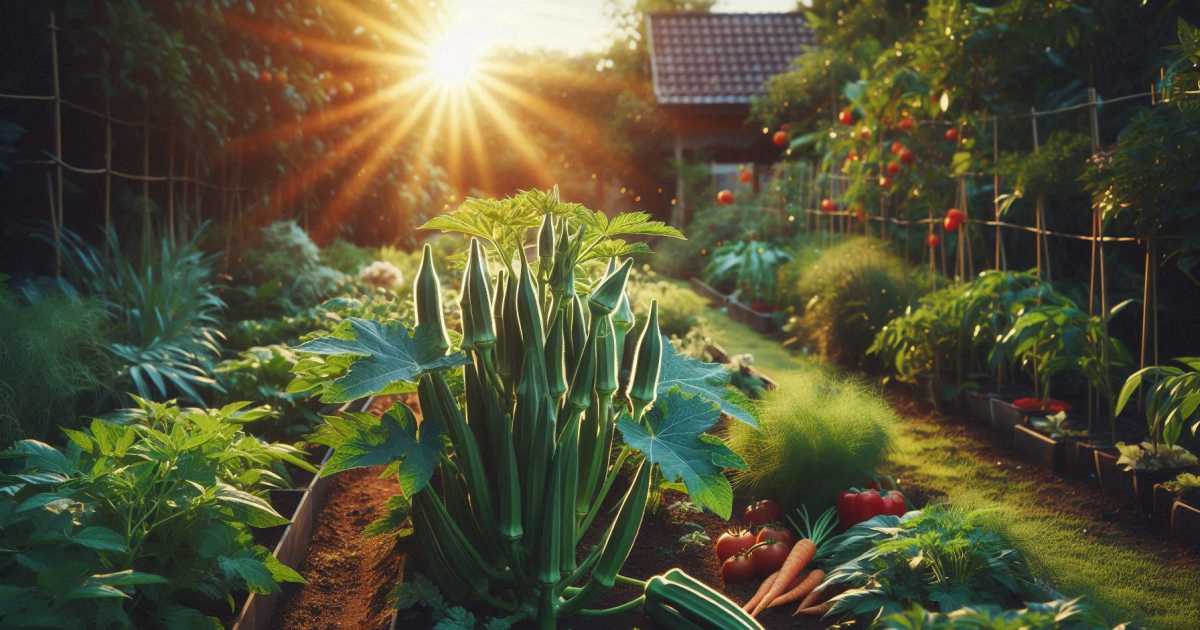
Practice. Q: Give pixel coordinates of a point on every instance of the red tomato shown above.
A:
(952, 135)
(745, 176)
(768, 557)
(776, 532)
(907, 156)
(933, 240)
(870, 504)
(853, 156)
(846, 117)
(780, 138)
(264, 77)
(847, 508)
(897, 147)
(906, 123)
(763, 512)
(954, 219)
(893, 168)
(733, 542)
(1055, 406)
(894, 502)
(827, 205)
(739, 568)
(885, 182)
(725, 197)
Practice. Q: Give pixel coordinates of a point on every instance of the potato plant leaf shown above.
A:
(673, 437)
(389, 352)
(697, 378)
(359, 440)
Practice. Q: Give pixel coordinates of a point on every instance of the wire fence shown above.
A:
(183, 176)
(972, 227)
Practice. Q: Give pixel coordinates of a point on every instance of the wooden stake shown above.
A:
(108, 151)
(56, 205)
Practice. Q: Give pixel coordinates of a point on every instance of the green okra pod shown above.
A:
(643, 385)
(427, 296)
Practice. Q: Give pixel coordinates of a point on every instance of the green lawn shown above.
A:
(1125, 578)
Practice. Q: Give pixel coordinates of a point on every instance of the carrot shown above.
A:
(801, 554)
(811, 598)
(762, 590)
(805, 586)
(819, 609)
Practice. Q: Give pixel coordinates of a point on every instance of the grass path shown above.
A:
(1126, 576)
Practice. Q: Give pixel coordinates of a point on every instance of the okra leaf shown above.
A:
(389, 353)
(673, 437)
(359, 440)
(697, 378)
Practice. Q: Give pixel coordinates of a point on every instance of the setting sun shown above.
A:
(455, 57)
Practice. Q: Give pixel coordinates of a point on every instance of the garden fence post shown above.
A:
(1096, 242)
(171, 185)
(146, 161)
(1039, 224)
(999, 244)
(108, 151)
(56, 205)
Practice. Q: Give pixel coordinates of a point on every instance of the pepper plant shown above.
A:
(502, 485)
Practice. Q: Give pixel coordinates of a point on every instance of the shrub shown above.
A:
(54, 362)
(164, 308)
(345, 256)
(288, 256)
(817, 437)
(680, 310)
(748, 267)
(847, 294)
(714, 226)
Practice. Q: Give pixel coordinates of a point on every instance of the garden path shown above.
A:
(1072, 533)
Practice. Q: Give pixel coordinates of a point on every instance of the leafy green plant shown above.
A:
(1056, 425)
(831, 433)
(54, 362)
(345, 256)
(502, 488)
(847, 294)
(1152, 456)
(1174, 396)
(939, 557)
(169, 491)
(164, 309)
(1058, 614)
(1055, 339)
(262, 374)
(680, 309)
(1184, 484)
(747, 267)
(286, 255)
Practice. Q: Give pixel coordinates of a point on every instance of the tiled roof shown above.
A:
(719, 58)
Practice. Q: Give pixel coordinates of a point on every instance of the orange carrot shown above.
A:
(812, 596)
(762, 590)
(801, 554)
(819, 609)
(805, 586)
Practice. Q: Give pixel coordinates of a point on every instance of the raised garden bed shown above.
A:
(1040, 449)
(1005, 418)
(1185, 522)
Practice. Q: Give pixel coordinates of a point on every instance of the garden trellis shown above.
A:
(188, 185)
(840, 220)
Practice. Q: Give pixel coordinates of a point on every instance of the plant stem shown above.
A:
(628, 581)
(599, 500)
(632, 604)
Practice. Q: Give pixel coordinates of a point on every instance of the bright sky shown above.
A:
(566, 25)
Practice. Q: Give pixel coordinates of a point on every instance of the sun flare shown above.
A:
(455, 58)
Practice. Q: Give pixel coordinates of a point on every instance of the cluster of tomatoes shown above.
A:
(954, 220)
(855, 506)
(745, 554)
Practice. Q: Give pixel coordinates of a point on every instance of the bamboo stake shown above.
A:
(171, 186)
(998, 256)
(56, 205)
(108, 151)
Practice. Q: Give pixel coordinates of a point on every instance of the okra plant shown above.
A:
(561, 392)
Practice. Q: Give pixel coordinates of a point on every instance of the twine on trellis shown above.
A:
(190, 182)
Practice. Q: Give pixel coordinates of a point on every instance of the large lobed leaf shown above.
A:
(359, 440)
(389, 353)
(697, 378)
(674, 438)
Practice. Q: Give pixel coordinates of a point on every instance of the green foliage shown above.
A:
(262, 374)
(953, 330)
(801, 95)
(1057, 614)
(846, 293)
(1149, 456)
(940, 557)
(714, 225)
(816, 437)
(163, 306)
(170, 491)
(680, 309)
(748, 267)
(1053, 170)
(540, 401)
(54, 362)
(286, 256)
(345, 256)
(1185, 484)
(1174, 396)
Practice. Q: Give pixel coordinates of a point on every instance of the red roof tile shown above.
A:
(718, 58)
